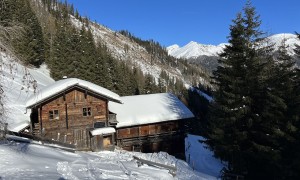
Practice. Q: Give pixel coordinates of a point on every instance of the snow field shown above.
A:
(32, 161)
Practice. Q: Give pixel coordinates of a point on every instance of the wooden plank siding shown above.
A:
(146, 130)
(165, 136)
(71, 126)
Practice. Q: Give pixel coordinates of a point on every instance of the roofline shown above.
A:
(182, 119)
(69, 88)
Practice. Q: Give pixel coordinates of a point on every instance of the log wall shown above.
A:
(71, 126)
(165, 136)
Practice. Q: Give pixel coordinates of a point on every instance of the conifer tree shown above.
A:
(242, 131)
(291, 162)
(29, 46)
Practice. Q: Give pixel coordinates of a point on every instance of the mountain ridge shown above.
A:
(194, 49)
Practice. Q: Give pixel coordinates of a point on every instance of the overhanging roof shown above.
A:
(65, 84)
(148, 109)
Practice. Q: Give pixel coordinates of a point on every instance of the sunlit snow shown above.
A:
(35, 161)
(149, 108)
(194, 49)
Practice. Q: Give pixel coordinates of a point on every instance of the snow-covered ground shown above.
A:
(34, 161)
(200, 157)
(14, 79)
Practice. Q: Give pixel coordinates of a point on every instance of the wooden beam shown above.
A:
(66, 109)
(40, 119)
(172, 169)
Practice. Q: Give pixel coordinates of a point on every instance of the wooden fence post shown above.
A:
(3, 130)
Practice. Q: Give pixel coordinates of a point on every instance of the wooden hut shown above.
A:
(151, 123)
(76, 112)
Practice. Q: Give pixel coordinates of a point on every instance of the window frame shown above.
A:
(53, 114)
(102, 122)
(86, 111)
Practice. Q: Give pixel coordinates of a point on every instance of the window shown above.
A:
(99, 109)
(86, 111)
(53, 115)
(99, 124)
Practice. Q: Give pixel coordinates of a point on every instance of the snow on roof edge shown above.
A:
(65, 84)
(149, 109)
(101, 131)
(20, 126)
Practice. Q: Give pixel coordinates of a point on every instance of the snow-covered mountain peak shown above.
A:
(192, 43)
(290, 41)
(194, 49)
(172, 48)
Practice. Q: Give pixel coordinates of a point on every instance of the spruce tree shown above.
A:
(291, 161)
(241, 131)
(30, 46)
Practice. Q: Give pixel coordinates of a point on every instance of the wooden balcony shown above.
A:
(112, 120)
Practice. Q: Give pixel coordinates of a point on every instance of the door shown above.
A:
(107, 141)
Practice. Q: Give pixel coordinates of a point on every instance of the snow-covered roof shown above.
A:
(203, 94)
(64, 84)
(20, 126)
(150, 108)
(100, 131)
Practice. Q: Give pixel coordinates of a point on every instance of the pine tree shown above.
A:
(291, 161)
(241, 130)
(30, 46)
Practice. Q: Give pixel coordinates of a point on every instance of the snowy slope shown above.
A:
(291, 40)
(15, 79)
(116, 43)
(33, 161)
(200, 157)
(194, 49)
(123, 48)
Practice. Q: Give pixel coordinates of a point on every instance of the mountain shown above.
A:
(147, 55)
(194, 50)
(207, 55)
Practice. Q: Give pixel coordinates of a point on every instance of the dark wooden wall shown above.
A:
(165, 136)
(71, 126)
(146, 130)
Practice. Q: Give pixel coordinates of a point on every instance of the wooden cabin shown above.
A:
(76, 112)
(151, 123)
(91, 117)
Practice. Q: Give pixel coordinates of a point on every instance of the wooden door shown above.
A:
(106, 141)
(80, 138)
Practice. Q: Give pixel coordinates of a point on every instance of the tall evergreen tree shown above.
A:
(291, 163)
(241, 129)
(30, 46)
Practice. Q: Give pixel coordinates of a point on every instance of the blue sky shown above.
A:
(179, 22)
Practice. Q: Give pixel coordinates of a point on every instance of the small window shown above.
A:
(99, 109)
(99, 124)
(86, 111)
(53, 115)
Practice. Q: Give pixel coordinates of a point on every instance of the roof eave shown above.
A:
(69, 88)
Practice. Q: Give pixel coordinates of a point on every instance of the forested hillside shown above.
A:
(54, 33)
